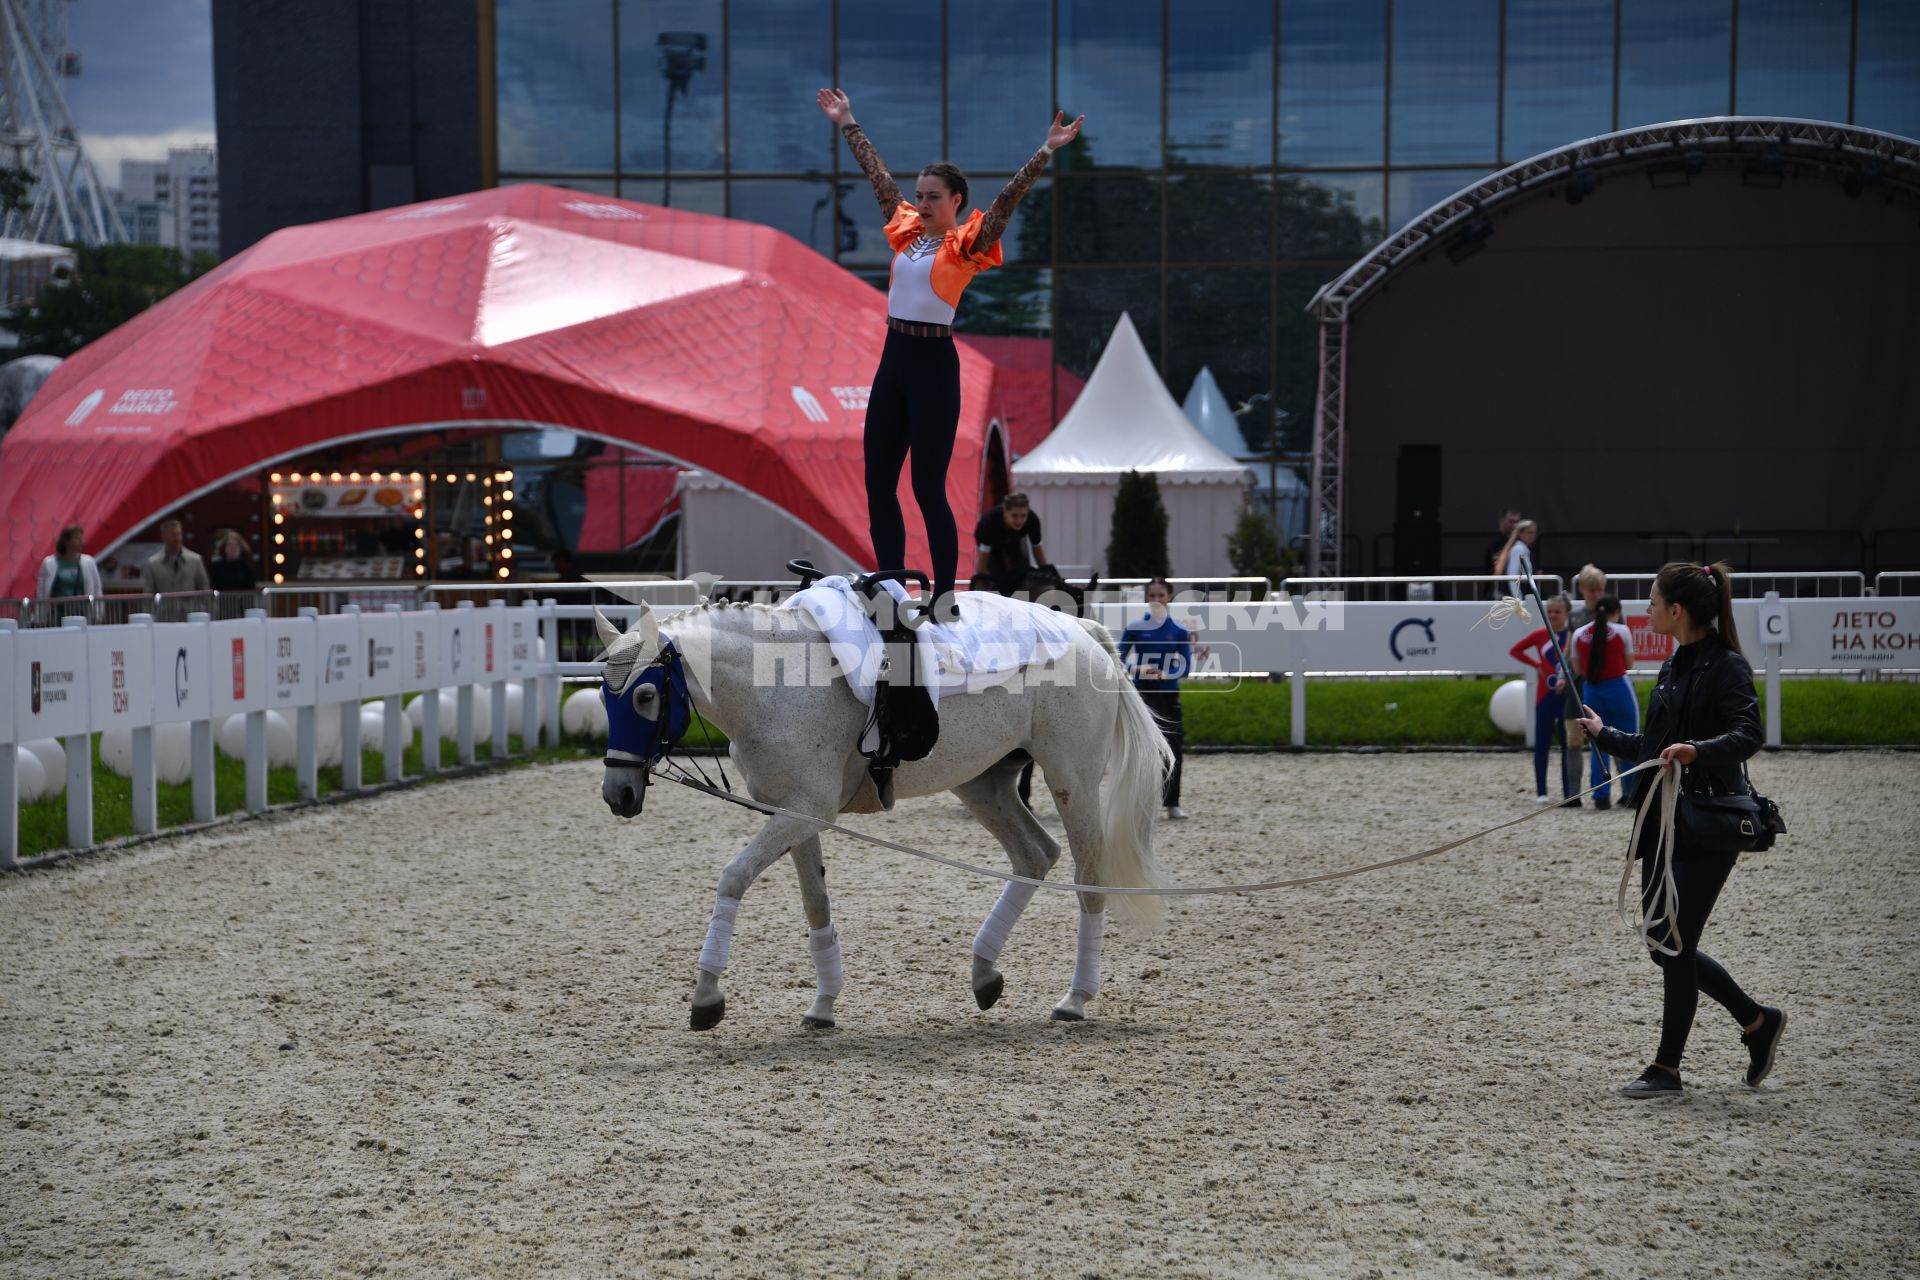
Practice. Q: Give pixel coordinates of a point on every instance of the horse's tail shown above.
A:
(1137, 765)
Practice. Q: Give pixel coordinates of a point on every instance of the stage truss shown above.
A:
(1866, 158)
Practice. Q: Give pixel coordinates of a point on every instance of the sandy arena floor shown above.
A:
(443, 1033)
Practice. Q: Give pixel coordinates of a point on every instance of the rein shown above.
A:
(1193, 891)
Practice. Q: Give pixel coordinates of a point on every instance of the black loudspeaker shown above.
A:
(1416, 509)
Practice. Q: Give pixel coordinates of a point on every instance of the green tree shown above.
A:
(1252, 549)
(1138, 545)
(111, 284)
(16, 187)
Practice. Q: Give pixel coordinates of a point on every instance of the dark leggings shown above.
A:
(914, 409)
(1699, 878)
(1547, 728)
(1165, 705)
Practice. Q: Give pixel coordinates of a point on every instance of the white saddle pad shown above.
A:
(994, 640)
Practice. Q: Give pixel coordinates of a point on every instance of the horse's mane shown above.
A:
(623, 655)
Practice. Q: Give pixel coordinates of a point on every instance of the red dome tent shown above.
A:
(721, 345)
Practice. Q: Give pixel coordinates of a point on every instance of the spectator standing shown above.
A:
(69, 571)
(1591, 583)
(1515, 561)
(173, 567)
(1536, 650)
(1603, 666)
(1157, 652)
(232, 566)
(1001, 539)
(1703, 715)
(1508, 519)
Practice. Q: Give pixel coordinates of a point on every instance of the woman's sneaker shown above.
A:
(1176, 813)
(1654, 1082)
(1761, 1044)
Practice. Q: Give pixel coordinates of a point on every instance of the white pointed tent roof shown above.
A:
(1206, 408)
(1126, 420)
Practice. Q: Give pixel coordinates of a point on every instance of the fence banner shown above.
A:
(337, 637)
(238, 666)
(293, 663)
(379, 654)
(181, 673)
(491, 625)
(119, 677)
(420, 650)
(460, 638)
(523, 642)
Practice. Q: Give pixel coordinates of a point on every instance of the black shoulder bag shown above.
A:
(1745, 822)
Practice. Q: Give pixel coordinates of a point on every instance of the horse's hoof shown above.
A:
(1067, 1015)
(707, 1016)
(812, 1023)
(989, 995)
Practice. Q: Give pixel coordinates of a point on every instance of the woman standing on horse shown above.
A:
(1704, 715)
(914, 407)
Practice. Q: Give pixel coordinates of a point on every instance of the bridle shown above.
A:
(638, 740)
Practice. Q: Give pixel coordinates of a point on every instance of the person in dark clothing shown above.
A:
(913, 409)
(1157, 652)
(231, 568)
(1704, 715)
(1001, 540)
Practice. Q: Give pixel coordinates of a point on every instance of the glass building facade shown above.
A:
(1237, 153)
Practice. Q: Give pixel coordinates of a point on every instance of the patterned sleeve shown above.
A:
(884, 188)
(1000, 212)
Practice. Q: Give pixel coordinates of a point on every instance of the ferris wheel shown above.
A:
(49, 189)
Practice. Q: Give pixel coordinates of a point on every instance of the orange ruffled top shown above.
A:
(955, 264)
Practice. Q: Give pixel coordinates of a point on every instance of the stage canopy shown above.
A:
(721, 345)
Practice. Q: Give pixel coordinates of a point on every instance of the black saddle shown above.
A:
(1045, 585)
(905, 724)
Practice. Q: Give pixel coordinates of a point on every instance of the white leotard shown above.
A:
(910, 294)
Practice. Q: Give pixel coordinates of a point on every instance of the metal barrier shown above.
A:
(1897, 582)
(1836, 584)
(114, 609)
(1428, 586)
(288, 601)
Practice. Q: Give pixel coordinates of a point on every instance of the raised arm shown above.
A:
(835, 106)
(1000, 212)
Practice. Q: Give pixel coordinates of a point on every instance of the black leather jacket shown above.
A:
(1704, 696)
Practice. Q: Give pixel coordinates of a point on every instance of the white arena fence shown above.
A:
(71, 681)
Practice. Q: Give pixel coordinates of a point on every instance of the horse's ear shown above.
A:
(607, 631)
(649, 631)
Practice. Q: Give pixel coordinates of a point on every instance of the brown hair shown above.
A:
(1161, 582)
(67, 535)
(1016, 500)
(1705, 592)
(950, 174)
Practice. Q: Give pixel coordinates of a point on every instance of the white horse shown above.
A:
(795, 741)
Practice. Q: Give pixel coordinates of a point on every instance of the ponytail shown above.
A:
(1721, 575)
(1706, 593)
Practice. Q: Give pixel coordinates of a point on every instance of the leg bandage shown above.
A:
(1000, 921)
(825, 946)
(1086, 956)
(713, 956)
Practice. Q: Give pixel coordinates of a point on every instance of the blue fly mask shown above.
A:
(650, 713)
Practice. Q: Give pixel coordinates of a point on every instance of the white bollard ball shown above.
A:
(172, 753)
(583, 715)
(53, 759)
(30, 776)
(415, 715)
(1508, 707)
(373, 727)
(232, 737)
(326, 735)
(116, 750)
(516, 704)
(280, 741)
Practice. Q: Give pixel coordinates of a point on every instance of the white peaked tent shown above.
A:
(1126, 420)
(1207, 409)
